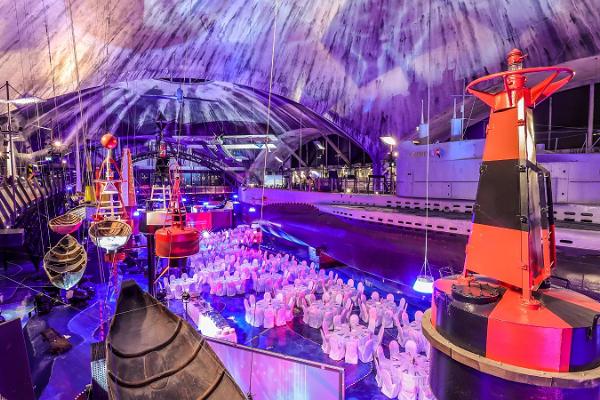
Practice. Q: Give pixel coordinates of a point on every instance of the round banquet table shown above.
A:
(318, 309)
(345, 290)
(274, 303)
(381, 306)
(359, 334)
(184, 283)
(273, 276)
(226, 280)
(296, 291)
(419, 367)
(211, 272)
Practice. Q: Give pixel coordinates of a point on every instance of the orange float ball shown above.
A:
(109, 141)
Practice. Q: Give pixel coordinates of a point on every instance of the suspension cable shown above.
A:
(425, 269)
(266, 141)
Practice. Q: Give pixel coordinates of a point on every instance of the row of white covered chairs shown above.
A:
(175, 291)
(350, 351)
(269, 316)
(408, 378)
(228, 288)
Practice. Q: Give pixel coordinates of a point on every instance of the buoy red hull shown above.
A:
(176, 242)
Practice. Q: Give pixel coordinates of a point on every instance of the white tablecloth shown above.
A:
(274, 303)
(358, 332)
(272, 276)
(381, 306)
(210, 323)
(318, 309)
(296, 291)
(212, 272)
(345, 290)
(419, 367)
(184, 284)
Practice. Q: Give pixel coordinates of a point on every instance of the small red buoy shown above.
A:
(109, 141)
(177, 240)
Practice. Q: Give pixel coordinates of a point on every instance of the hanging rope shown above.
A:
(78, 81)
(266, 152)
(38, 135)
(425, 269)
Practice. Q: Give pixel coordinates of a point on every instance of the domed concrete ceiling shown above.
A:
(220, 122)
(364, 64)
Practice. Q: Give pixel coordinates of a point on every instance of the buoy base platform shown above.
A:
(458, 374)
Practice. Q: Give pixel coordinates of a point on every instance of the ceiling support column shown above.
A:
(589, 141)
(337, 150)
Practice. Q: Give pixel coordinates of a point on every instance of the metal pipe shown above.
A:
(590, 129)
(151, 260)
(11, 158)
(336, 149)
(549, 124)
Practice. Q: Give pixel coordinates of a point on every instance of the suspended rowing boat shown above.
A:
(79, 211)
(65, 263)
(110, 234)
(153, 354)
(66, 223)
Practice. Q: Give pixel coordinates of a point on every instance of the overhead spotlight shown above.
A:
(64, 161)
(57, 143)
(423, 284)
(395, 154)
(389, 140)
(319, 145)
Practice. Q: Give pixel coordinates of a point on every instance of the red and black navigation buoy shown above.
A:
(499, 330)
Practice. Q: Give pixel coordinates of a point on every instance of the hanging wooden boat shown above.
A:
(79, 211)
(153, 354)
(110, 234)
(66, 223)
(65, 263)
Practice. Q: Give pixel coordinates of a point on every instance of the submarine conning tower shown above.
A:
(500, 330)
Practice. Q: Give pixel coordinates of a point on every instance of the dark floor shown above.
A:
(397, 254)
(386, 258)
(64, 376)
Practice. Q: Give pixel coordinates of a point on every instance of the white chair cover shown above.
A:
(365, 351)
(280, 316)
(372, 320)
(269, 317)
(351, 356)
(325, 342)
(336, 348)
(388, 387)
(394, 349)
